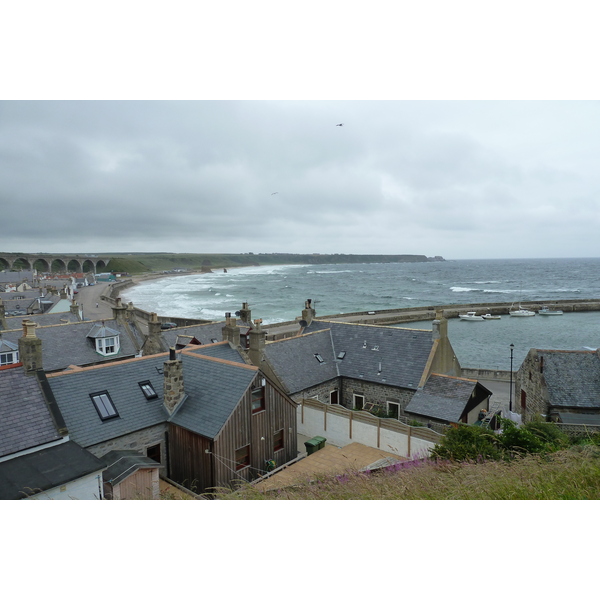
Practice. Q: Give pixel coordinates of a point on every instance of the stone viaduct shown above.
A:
(46, 263)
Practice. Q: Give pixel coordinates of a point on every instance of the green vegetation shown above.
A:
(147, 262)
(125, 265)
(533, 462)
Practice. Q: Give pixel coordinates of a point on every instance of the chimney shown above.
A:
(30, 348)
(245, 313)
(439, 326)
(231, 332)
(173, 382)
(63, 294)
(74, 308)
(119, 311)
(153, 343)
(309, 313)
(257, 342)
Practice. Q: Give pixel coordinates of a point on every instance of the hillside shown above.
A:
(147, 262)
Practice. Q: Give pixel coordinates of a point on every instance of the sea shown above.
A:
(277, 294)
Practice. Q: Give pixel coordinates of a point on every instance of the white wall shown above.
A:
(338, 432)
(85, 488)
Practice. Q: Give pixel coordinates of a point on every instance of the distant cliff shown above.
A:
(140, 262)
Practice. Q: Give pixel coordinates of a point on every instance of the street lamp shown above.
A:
(512, 346)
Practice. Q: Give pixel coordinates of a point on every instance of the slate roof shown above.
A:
(572, 378)
(15, 276)
(579, 418)
(293, 360)
(6, 346)
(442, 397)
(220, 350)
(388, 355)
(42, 319)
(68, 344)
(203, 333)
(213, 389)
(26, 420)
(72, 391)
(123, 463)
(46, 469)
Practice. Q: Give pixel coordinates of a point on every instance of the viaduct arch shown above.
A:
(53, 263)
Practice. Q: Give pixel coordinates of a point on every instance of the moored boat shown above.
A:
(521, 312)
(471, 316)
(545, 310)
(488, 316)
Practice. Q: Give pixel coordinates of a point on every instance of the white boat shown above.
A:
(471, 316)
(549, 311)
(521, 312)
(488, 316)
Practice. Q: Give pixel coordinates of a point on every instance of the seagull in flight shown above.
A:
(340, 125)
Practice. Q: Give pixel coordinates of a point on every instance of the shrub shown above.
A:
(468, 442)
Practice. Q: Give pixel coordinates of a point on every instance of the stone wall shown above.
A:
(139, 441)
(530, 380)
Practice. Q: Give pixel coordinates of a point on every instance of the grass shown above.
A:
(572, 474)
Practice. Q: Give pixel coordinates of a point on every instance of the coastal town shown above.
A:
(135, 405)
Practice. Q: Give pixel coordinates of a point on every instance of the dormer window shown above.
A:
(9, 358)
(9, 353)
(106, 340)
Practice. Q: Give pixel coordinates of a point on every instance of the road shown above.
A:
(89, 296)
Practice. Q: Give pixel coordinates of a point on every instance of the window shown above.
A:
(319, 358)
(541, 364)
(393, 409)
(107, 345)
(104, 405)
(258, 399)
(523, 400)
(242, 457)
(9, 358)
(214, 340)
(153, 452)
(358, 401)
(334, 397)
(148, 390)
(341, 355)
(278, 441)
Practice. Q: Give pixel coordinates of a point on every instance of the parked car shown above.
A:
(168, 325)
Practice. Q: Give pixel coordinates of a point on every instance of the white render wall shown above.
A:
(88, 487)
(338, 428)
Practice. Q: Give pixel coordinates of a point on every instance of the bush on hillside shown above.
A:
(470, 442)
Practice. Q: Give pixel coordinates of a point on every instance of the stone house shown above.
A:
(209, 418)
(361, 367)
(37, 458)
(559, 385)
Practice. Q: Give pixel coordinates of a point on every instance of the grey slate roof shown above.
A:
(220, 350)
(213, 389)
(68, 344)
(442, 397)
(120, 464)
(402, 354)
(203, 333)
(572, 378)
(25, 418)
(15, 276)
(579, 418)
(72, 391)
(42, 319)
(293, 360)
(45, 469)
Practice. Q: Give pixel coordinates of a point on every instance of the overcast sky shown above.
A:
(457, 179)
(479, 178)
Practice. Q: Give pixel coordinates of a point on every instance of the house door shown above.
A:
(333, 397)
(359, 402)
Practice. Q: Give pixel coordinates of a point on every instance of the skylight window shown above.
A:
(341, 355)
(319, 358)
(148, 390)
(104, 405)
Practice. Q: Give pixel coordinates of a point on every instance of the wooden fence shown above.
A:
(341, 426)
